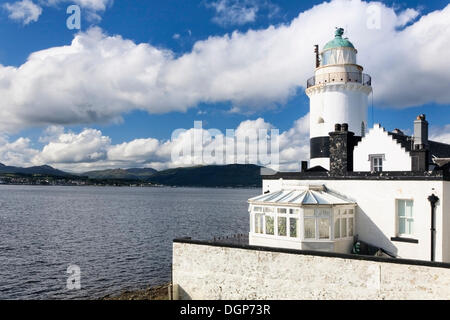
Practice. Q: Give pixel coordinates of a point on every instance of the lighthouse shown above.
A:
(338, 94)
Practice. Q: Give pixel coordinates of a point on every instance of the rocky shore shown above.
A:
(151, 293)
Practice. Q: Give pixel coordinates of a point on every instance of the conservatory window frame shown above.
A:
(317, 217)
(347, 214)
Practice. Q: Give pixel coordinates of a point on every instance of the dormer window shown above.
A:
(376, 162)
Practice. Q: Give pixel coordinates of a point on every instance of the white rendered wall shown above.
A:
(343, 103)
(445, 203)
(375, 214)
(202, 272)
(339, 246)
(323, 162)
(377, 141)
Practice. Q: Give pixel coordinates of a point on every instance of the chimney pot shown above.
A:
(304, 166)
(344, 127)
(420, 132)
(337, 127)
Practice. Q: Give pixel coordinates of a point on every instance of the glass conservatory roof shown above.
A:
(306, 196)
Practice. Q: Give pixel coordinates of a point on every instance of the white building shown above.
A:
(338, 93)
(385, 189)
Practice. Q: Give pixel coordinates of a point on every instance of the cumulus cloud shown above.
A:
(407, 16)
(17, 153)
(99, 77)
(440, 134)
(88, 146)
(239, 12)
(25, 11)
(252, 141)
(95, 5)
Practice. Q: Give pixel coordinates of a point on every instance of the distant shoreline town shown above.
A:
(234, 176)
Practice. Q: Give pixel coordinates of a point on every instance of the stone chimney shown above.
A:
(342, 143)
(420, 133)
(420, 154)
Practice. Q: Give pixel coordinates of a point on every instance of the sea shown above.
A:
(86, 242)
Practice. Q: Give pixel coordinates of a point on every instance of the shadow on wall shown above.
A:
(180, 293)
(372, 234)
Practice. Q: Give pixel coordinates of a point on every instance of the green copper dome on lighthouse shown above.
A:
(338, 41)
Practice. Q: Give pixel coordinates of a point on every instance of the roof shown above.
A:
(338, 41)
(309, 195)
(437, 149)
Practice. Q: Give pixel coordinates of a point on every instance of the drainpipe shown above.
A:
(433, 200)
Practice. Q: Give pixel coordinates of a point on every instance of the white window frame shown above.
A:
(317, 216)
(339, 214)
(397, 220)
(372, 158)
(275, 215)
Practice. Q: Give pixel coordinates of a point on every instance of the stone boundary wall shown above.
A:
(203, 270)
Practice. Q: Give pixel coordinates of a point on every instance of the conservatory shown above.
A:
(304, 218)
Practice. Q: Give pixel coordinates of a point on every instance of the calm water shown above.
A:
(121, 238)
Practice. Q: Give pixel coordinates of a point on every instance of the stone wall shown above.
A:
(205, 271)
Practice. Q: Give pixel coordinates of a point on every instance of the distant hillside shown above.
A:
(123, 174)
(42, 170)
(235, 175)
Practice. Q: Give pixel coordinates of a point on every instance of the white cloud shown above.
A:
(94, 5)
(138, 151)
(240, 12)
(440, 134)
(98, 77)
(407, 16)
(294, 145)
(88, 146)
(234, 12)
(25, 11)
(16, 153)
(91, 150)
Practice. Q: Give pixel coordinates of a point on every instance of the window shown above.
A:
(310, 228)
(405, 217)
(259, 220)
(337, 228)
(270, 225)
(317, 224)
(324, 228)
(350, 227)
(268, 209)
(376, 162)
(344, 223)
(293, 227)
(343, 227)
(282, 231)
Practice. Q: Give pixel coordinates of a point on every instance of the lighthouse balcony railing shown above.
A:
(345, 77)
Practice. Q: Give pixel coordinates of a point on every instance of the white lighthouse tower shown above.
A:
(338, 93)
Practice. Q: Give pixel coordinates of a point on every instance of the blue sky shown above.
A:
(176, 26)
